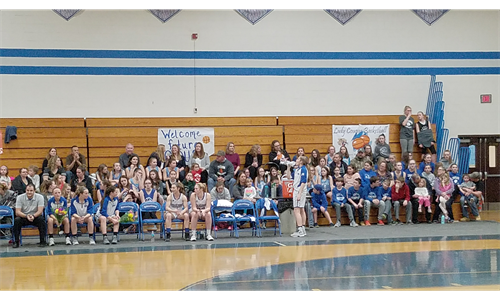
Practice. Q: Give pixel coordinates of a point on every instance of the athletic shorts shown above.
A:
(299, 202)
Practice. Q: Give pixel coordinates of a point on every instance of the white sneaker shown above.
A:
(193, 237)
(91, 241)
(75, 241)
(354, 224)
(68, 240)
(114, 240)
(51, 242)
(61, 232)
(337, 224)
(302, 231)
(209, 237)
(295, 234)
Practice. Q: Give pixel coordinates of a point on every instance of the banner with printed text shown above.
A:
(355, 137)
(186, 138)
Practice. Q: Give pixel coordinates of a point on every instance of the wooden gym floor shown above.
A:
(454, 257)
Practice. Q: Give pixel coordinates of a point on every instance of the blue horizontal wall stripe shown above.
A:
(147, 54)
(244, 71)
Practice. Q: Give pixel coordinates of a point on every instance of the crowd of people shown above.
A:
(187, 188)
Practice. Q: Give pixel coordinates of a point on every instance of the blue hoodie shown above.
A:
(355, 195)
(365, 177)
(455, 177)
(319, 200)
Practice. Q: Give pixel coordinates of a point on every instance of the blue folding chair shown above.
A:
(244, 211)
(6, 211)
(222, 214)
(125, 207)
(263, 217)
(153, 207)
(176, 221)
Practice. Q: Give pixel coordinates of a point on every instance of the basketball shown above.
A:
(206, 139)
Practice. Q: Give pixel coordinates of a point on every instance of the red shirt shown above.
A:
(402, 194)
(196, 175)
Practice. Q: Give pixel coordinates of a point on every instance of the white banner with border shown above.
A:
(355, 137)
(186, 138)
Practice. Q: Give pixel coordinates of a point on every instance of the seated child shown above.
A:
(189, 183)
(196, 172)
(319, 202)
(250, 191)
(339, 200)
(423, 195)
(355, 198)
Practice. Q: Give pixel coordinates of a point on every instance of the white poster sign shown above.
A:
(355, 137)
(186, 138)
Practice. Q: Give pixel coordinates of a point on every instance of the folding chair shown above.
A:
(174, 221)
(241, 212)
(154, 207)
(6, 211)
(222, 212)
(263, 217)
(125, 207)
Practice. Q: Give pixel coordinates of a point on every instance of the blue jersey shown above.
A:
(339, 196)
(326, 185)
(81, 209)
(299, 177)
(455, 177)
(52, 205)
(150, 196)
(108, 207)
(408, 175)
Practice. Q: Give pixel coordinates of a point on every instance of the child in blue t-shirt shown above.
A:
(339, 200)
(355, 198)
(384, 194)
(371, 199)
(366, 173)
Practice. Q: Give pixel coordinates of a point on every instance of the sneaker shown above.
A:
(337, 224)
(75, 241)
(429, 210)
(187, 237)
(68, 240)
(51, 242)
(193, 237)
(367, 223)
(105, 240)
(478, 218)
(331, 225)
(295, 234)
(464, 219)
(167, 237)
(394, 223)
(353, 224)
(311, 225)
(420, 209)
(362, 223)
(154, 228)
(61, 232)
(409, 222)
(91, 241)
(302, 231)
(316, 225)
(209, 237)
(114, 240)
(384, 216)
(380, 223)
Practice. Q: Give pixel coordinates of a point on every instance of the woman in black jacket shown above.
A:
(253, 160)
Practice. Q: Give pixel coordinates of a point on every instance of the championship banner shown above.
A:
(355, 137)
(186, 138)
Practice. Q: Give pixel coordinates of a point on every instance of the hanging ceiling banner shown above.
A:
(342, 15)
(164, 14)
(66, 13)
(430, 16)
(253, 15)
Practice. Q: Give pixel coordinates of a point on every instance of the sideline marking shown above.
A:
(280, 244)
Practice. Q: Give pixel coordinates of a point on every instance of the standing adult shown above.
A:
(125, 157)
(73, 161)
(29, 211)
(407, 132)
(253, 160)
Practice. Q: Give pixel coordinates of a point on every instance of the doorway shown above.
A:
(485, 158)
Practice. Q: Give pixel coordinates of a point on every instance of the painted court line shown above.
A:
(280, 244)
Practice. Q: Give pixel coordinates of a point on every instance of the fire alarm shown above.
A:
(485, 98)
(194, 36)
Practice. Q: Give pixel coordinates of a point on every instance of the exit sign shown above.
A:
(485, 98)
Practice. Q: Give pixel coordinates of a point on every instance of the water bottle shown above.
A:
(152, 236)
(273, 190)
(442, 219)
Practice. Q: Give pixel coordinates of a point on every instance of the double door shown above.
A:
(485, 159)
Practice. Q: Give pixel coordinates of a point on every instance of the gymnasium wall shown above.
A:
(376, 64)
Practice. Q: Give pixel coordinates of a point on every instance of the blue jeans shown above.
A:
(472, 202)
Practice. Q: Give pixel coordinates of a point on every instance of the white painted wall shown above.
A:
(225, 30)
